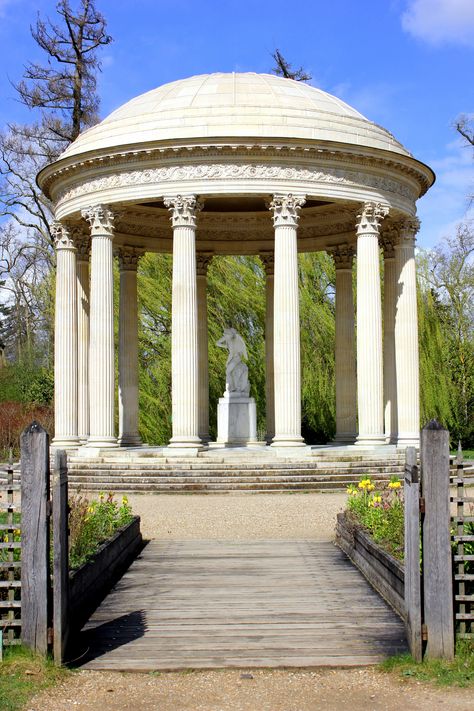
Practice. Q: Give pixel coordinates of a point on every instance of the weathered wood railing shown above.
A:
(463, 525)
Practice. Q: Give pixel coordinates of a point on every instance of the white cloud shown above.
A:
(440, 21)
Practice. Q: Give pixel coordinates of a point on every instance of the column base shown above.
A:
(101, 442)
(185, 443)
(370, 440)
(183, 449)
(65, 442)
(408, 440)
(129, 441)
(345, 438)
(288, 441)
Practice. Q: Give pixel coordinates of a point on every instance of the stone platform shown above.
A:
(256, 469)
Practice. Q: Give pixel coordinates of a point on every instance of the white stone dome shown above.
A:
(233, 106)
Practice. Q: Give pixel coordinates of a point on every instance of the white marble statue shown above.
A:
(237, 380)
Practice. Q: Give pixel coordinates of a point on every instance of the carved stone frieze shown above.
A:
(101, 219)
(286, 209)
(236, 171)
(117, 162)
(183, 209)
(370, 218)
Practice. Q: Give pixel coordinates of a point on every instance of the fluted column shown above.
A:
(286, 322)
(128, 348)
(65, 339)
(184, 327)
(101, 348)
(83, 253)
(406, 337)
(345, 365)
(268, 260)
(369, 326)
(389, 365)
(203, 261)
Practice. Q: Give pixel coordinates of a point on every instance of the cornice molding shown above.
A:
(122, 160)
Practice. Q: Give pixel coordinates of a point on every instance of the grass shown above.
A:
(466, 453)
(459, 672)
(23, 674)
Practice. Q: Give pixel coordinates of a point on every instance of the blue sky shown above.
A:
(406, 64)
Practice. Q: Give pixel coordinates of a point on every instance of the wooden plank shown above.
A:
(437, 567)
(60, 557)
(222, 604)
(34, 443)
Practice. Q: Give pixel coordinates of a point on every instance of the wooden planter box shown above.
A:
(384, 572)
(89, 584)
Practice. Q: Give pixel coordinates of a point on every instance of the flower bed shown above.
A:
(371, 533)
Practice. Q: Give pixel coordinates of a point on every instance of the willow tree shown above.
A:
(236, 297)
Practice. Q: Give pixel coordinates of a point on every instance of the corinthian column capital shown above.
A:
(100, 217)
(268, 261)
(128, 258)
(63, 236)
(286, 209)
(343, 256)
(203, 259)
(370, 217)
(183, 209)
(408, 227)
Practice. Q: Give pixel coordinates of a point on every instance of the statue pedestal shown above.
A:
(236, 419)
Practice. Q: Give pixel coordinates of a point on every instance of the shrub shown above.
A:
(93, 522)
(14, 417)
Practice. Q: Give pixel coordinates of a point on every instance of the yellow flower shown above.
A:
(17, 532)
(370, 487)
(124, 500)
(362, 484)
(101, 496)
(394, 485)
(377, 499)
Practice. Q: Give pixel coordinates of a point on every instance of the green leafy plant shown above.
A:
(380, 511)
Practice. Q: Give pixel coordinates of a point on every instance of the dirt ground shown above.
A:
(321, 690)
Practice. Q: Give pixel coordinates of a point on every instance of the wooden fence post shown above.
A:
(412, 555)
(437, 559)
(35, 578)
(60, 557)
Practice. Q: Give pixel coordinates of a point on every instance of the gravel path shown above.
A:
(328, 690)
(238, 516)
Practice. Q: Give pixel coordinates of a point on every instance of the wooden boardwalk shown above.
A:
(215, 604)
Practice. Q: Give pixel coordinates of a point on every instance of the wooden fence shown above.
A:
(10, 552)
(463, 536)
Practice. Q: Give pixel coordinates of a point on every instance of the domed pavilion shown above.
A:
(242, 164)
